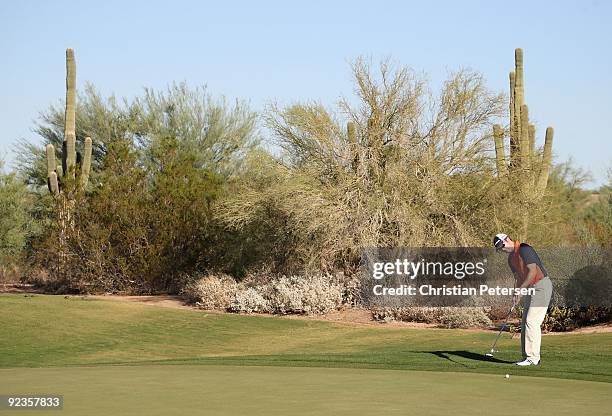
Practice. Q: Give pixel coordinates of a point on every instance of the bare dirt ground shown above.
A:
(164, 301)
(350, 316)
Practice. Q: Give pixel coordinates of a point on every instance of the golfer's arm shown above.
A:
(533, 270)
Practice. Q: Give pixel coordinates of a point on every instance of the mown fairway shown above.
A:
(230, 364)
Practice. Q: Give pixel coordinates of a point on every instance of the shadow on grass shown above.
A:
(448, 355)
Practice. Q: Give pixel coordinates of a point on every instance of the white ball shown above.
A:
(507, 375)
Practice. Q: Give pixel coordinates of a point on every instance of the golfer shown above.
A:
(529, 272)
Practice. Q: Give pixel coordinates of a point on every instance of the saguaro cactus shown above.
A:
(64, 178)
(530, 170)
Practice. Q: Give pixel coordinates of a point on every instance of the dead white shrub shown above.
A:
(211, 292)
(249, 300)
(303, 294)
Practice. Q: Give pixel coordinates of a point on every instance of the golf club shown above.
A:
(490, 354)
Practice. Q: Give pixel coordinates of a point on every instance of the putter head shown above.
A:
(489, 354)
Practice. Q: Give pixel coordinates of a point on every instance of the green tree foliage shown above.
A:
(17, 225)
(158, 168)
(140, 229)
(215, 133)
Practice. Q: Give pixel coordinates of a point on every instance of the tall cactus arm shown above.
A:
(70, 156)
(513, 131)
(532, 152)
(70, 115)
(86, 164)
(546, 161)
(524, 139)
(518, 99)
(53, 184)
(51, 164)
(519, 83)
(500, 154)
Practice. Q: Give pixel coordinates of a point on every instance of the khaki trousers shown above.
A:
(534, 311)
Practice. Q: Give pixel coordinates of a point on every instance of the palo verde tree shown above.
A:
(396, 166)
(527, 169)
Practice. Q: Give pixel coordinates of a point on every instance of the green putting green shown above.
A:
(231, 390)
(146, 360)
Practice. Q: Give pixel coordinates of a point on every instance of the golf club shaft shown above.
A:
(503, 326)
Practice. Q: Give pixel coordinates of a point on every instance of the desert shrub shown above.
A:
(598, 214)
(319, 294)
(273, 294)
(558, 221)
(284, 295)
(561, 318)
(139, 229)
(303, 295)
(17, 225)
(38, 276)
(499, 310)
(462, 317)
(261, 240)
(351, 287)
(281, 295)
(408, 314)
(582, 294)
(211, 292)
(447, 317)
(259, 276)
(249, 300)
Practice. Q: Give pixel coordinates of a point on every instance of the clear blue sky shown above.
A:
(266, 51)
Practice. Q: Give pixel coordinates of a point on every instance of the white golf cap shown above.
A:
(498, 240)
